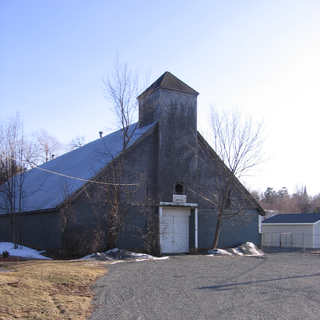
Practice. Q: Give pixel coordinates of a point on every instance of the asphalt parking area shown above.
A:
(275, 286)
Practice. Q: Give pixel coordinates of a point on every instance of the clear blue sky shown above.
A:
(262, 56)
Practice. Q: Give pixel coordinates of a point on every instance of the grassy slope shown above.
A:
(48, 289)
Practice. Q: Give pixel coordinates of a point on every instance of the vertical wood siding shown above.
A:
(37, 230)
(233, 232)
(131, 235)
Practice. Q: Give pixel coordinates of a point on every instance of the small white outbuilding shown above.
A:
(297, 230)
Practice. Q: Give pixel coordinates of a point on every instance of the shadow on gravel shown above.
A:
(231, 285)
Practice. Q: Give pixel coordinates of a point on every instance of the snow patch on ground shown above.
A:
(22, 251)
(118, 255)
(247, 249)
(219, 252)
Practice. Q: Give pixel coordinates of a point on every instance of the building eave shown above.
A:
(178, 204)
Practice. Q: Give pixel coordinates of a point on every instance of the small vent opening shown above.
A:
(179, 188)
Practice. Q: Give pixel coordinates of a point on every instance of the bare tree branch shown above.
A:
(46, 145)
(77, 142)
(15, 158)
(237, 149)
(121, 88)
(237, 140)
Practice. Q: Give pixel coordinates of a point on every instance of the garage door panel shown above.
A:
(181, 227)
(167, 224)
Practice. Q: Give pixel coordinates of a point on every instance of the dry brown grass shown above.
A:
(42, 289)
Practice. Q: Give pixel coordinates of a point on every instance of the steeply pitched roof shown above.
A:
(169, 81)
(44, 187)
(294, 218)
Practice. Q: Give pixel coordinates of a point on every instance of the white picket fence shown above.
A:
(293, 241)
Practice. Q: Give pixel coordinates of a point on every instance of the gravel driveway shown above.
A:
(276, 286)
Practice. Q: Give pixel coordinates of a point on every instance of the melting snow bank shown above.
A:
(119, 255)
(22, 251)
(246, 249)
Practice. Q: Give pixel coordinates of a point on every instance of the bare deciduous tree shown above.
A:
(315, 203)
(46, 145)
(237, 142)
(77, 142)
(121, 89)
(16, 154)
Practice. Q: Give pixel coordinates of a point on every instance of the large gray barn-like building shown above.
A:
(159, 187)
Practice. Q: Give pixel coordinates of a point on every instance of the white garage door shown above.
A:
(174, 230)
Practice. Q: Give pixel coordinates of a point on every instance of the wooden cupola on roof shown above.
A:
(170, 82)
(151, 99)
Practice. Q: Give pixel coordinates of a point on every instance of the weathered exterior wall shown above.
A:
(5, 229)
(176, 114)
(138, 176)
(140, 166)
(45, 226)
(37, 230)
(132, 234)
(177, 142)
(243, 227)
(233, 232)
(149, 108)
(210, 175)
(88, 230)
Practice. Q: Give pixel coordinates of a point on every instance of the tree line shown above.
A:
(281, 201)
